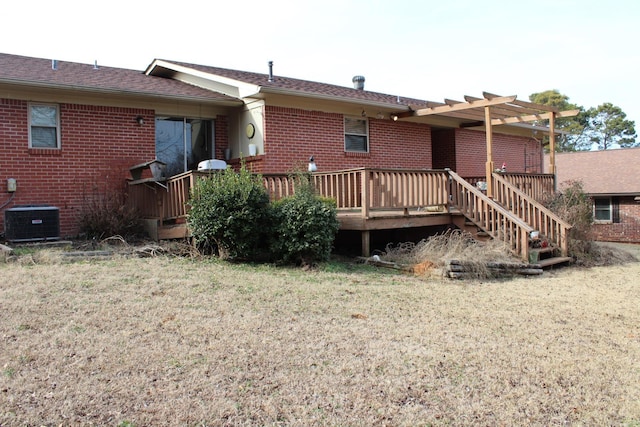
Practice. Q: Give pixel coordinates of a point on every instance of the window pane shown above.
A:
(43, 137)
(355, 143)
(356, 126)
(602, 210)
(43, 115)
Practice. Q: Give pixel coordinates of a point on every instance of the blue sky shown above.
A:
(588, 50)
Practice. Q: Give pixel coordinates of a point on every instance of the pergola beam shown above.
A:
(506, 110)
(459, 106)
(525, 104)
(534, 117)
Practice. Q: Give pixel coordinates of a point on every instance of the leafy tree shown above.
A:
(572, 128)
(608, 125)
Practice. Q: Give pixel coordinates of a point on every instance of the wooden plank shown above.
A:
(507, 110)
(464, 106)
(553, 261)
(525, 104)
(355, 221)
(534, 117)
(179, 231)
(489, 137)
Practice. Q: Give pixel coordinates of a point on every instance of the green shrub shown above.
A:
(305, 227)
(231, 211)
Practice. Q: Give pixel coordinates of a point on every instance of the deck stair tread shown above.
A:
(543, 250)
(548, 262)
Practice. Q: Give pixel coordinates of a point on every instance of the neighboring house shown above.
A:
(611, 178)
(68, 129)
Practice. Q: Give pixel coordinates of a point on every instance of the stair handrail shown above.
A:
(490, 216)
(541, 218)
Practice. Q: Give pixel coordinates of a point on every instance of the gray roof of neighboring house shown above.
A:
(15, 69)
(607, 172)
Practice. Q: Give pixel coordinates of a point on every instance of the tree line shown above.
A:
(605, 126)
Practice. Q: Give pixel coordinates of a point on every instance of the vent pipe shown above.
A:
(95, 64)
(358, 82)
(54, 64)
(270, 71)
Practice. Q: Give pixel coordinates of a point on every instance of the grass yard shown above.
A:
(175, 341)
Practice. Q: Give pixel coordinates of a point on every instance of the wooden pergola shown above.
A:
(494, 110)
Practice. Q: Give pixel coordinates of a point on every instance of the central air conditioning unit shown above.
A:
(31, 223)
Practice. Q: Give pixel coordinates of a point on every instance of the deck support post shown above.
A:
(489, 136)
(366, 242)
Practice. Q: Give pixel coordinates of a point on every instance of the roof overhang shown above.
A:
(224, 85)
(119, 93)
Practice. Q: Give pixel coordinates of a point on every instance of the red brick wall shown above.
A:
(444, 149)
(291, 136)
(99, 144)
(221, 135)
(471, 148)
(627, 230)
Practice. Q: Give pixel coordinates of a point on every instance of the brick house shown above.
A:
(69, 129)
(610, 177)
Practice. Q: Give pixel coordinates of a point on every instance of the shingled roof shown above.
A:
(305, 87)
(607, 172)
(222, 86)
(15, 69)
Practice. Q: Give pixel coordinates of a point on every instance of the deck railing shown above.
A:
(490, 216)
(371, 189)
(533, 213)
(533, 185)
(366, 190)
(164, 200)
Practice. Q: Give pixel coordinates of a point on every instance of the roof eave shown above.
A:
(213, 82)
(343, 99)
(103, 91)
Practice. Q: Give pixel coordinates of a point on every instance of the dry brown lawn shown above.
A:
(175, 341)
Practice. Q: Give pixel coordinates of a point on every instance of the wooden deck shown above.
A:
(382, 199)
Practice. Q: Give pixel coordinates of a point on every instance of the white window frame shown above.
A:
(57, 126)
(610, 210)
(366, 134)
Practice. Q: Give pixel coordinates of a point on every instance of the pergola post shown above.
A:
(489, 134)
(552, 143)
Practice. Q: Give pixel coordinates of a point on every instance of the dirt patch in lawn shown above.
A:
(184, 341)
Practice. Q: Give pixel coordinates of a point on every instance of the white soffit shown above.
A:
(201, 79)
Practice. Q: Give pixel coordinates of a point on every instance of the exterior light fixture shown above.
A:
(312, 165)
(140, 120)
(394, 117)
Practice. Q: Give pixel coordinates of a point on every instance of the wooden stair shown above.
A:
(159, 231)
(547, 257)
(550, 262)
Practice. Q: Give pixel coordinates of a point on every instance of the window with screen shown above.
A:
(44, 126)
(356, 137)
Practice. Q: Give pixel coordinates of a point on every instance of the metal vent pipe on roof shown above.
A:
(358, 82)
(270, 71)
(54, 64)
